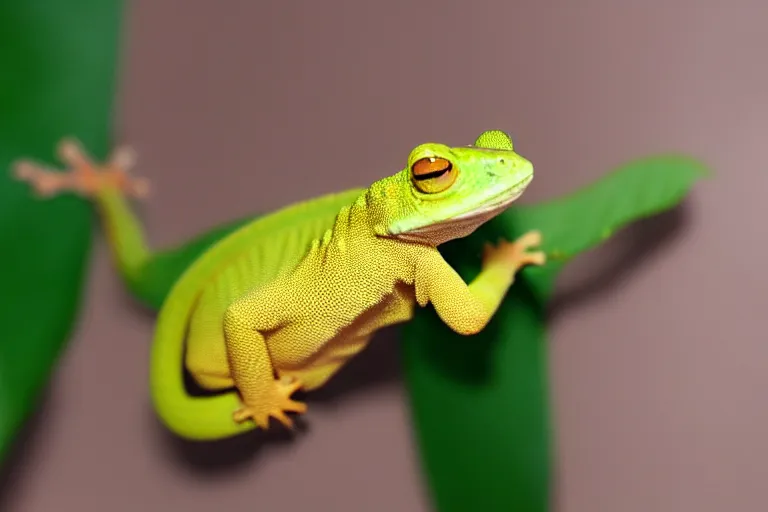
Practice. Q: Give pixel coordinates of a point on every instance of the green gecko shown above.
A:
(283, 302)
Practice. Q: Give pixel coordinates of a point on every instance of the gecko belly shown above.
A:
(317, 368)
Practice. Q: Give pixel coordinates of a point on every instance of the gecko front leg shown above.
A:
(467, 308)
(83, 176)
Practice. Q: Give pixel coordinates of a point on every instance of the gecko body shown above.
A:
(283, 302)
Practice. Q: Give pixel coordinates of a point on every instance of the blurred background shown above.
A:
(658, 361)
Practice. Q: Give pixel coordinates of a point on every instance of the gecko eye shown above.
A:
(433, 174)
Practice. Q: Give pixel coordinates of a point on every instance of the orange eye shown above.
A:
(433, 174)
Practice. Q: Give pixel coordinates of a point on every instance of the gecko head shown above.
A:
(446, 192)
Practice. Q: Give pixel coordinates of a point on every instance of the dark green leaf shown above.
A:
(57, 79)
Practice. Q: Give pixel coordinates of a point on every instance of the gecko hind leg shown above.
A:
(82, 176)
(106, 185)
(278, 403)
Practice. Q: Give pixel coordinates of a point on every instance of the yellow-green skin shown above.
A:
(286, 300)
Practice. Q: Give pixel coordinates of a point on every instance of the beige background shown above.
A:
(659, 358)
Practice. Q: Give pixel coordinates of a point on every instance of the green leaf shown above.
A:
(58, 74)
(481, 404)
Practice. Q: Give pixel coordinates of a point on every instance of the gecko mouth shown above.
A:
(470, 220)
(493, 206)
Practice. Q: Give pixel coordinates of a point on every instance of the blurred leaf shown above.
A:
(481, 404)
(57, 78)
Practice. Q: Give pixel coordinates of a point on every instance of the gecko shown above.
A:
(287, 299)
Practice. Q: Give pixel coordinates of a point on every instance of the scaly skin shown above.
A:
(286, 300)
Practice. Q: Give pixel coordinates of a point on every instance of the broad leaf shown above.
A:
(58, 74)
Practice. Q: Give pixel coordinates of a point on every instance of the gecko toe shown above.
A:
(283, 418)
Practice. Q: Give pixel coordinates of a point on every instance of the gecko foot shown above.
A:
(516, 254)
(82, 176)
(275, 405)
